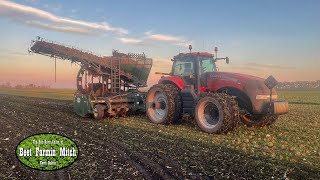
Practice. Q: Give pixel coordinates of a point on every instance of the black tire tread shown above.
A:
(174, 102)
(230, 110)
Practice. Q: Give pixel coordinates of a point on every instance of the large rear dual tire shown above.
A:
(215, 113)
(163, 104)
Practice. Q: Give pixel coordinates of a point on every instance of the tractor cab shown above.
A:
(191, 65)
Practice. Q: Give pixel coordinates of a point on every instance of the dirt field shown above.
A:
(134, 148)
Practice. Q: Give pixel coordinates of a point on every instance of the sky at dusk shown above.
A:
(260, 37)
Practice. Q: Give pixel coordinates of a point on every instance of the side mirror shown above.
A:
(227, 60)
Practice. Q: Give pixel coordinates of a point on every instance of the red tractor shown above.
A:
(216, 100)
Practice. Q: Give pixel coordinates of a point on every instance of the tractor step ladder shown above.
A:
(115, 75)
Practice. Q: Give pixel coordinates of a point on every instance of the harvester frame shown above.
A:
(106, 86)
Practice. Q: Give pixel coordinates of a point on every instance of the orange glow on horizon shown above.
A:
(37, 69)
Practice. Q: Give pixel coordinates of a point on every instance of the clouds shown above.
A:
(45, 20)
(256, 67)
(42, 19)
(159, 65)
(281, 71)
(267, 66)
(131, 40)
(151, 38)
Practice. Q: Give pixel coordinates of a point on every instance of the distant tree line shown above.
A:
(299, 85)
(8, 85)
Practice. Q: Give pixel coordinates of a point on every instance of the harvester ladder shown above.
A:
(115, 75)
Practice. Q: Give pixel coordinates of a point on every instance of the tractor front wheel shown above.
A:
(216, 113)
(98, 112)
(163, 104)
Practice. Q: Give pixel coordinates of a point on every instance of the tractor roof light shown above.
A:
(216, 52)
(190, 47)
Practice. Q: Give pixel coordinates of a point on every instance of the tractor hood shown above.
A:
(237, 77)
(218, 80)
(253, 87)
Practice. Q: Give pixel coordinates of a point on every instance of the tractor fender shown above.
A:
(175, 80)
(217, 84)
(246, 96)
(252, 88)
(240, 96)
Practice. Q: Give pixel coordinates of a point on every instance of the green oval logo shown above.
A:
(47, 152)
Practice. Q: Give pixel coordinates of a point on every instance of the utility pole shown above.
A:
(55, 69)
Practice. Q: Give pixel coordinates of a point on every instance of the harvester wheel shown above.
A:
(98, 112)
(217, 113)
(259, 120)
(163, 104)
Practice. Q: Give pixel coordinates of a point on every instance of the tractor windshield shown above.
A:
(186, 67)
(207, 65)
(183, 68)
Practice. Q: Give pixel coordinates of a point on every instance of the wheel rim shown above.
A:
(209, 115)
(158, 106)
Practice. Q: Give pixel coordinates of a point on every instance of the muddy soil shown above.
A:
(112, 152)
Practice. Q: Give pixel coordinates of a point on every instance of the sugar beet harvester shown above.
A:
(106, 86)
(109, 86)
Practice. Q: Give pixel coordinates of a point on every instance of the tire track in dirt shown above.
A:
(29, 115)
(164, 162)
(160, 167)
(7, 118)
(155, 169)
(57, 116)
(7, 150)
(27, 124)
